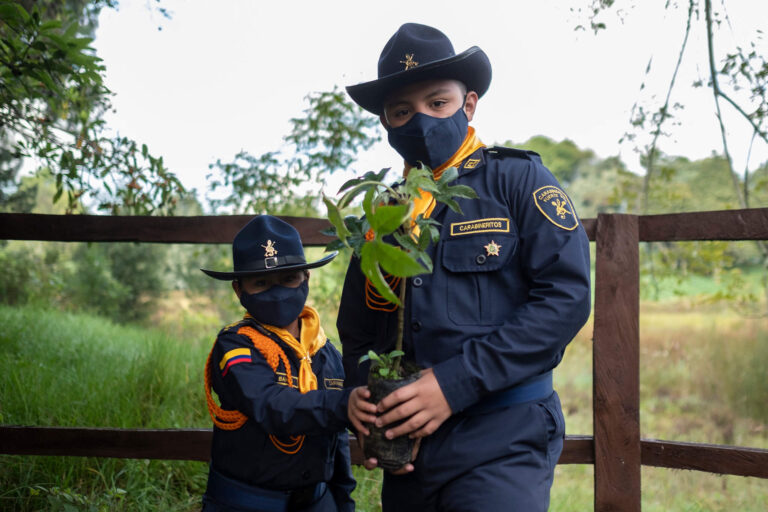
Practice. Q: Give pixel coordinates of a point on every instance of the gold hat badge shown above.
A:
(269, 249)
(409, 62)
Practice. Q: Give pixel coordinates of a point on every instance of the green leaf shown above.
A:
(13, 12)
(388, 218)
(368, 202)
(334, 215)
(335, 245)
(461, 191)
(453, 205)
(426, 261)
(448, 176)
(369, 265)
(397, 261)
(405, 241)
(424, 238)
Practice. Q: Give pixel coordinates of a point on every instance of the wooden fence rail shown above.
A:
(616, 449)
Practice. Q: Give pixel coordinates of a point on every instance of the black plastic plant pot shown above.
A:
(391, 454)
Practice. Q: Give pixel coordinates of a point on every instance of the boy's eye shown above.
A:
(292, 278)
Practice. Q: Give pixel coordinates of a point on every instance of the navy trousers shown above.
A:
(228, 495)
(497, 460)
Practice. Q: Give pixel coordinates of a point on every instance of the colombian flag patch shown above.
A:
(233, 357)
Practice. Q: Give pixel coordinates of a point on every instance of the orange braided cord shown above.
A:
(269, 349)
(224, 419)
(233, 420)
(375, 301)
(290, 448)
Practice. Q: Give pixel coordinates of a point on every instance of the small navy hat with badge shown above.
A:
(416, 53)
(266, 245)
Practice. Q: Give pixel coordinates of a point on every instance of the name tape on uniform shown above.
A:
(492, 225)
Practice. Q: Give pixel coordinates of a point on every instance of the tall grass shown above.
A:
(62, 369)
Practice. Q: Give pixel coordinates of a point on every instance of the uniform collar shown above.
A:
(469, 165)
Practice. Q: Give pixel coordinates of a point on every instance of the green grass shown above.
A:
(62, 369)
(703, 379)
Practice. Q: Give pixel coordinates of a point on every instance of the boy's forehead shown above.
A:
(421, 89)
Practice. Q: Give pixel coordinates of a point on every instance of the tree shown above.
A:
(52, 101)
(327, 139)
(738, 79)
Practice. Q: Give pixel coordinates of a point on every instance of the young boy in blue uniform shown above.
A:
(279, 440)
(509, 291)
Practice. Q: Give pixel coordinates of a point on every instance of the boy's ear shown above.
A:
(470, 104)
(236, 287)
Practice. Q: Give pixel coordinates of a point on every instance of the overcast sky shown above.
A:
(226, 76)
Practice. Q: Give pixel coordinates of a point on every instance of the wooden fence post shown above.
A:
(616, 364)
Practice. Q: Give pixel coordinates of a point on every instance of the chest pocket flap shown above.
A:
(482, 252)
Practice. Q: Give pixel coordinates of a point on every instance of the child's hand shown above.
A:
(360, 410)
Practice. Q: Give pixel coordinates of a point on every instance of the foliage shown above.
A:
(565, 159)
(387, 212)
(738, 80)
(52, 99)
(383, 365)
(327, 139)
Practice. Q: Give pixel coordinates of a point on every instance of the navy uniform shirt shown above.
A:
(509, 291)
(248, 384)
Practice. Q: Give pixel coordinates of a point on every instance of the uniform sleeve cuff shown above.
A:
(457, 385)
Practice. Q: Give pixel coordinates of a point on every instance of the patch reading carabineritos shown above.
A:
(493, 225)
(556, 207)
(333, 383)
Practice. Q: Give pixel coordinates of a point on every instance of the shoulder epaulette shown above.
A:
(234, 326)
(503, 151)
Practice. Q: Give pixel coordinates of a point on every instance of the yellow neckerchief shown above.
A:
(311, 339)
(426, 203)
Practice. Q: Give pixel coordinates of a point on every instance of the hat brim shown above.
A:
(471, 67)
(228, 276)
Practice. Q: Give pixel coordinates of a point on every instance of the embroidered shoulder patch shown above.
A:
(233, 357)
(556, 207)
(493, 225)
(282, 379)
(471, 163)
(333, 383)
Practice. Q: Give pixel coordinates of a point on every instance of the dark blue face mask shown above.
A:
(278, 306)
(430, 140)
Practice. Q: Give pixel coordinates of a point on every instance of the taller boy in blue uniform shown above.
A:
(509, 291)
(279, 439)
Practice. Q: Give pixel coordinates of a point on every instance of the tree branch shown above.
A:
(763, 134)
(716, 92)
(664, 111)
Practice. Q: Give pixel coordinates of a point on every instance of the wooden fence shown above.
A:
(615, 448)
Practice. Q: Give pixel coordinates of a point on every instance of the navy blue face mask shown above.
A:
(278, 306)
(430, 140)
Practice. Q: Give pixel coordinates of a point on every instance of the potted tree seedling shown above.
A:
(387, 238)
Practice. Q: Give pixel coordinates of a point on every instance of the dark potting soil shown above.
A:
(391, 454)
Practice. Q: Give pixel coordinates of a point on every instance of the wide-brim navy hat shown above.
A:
(416, 53)
(266, 245)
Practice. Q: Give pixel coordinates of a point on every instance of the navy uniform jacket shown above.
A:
(253, 388)
(509, 291)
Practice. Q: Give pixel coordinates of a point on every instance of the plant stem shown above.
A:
(400, 323)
